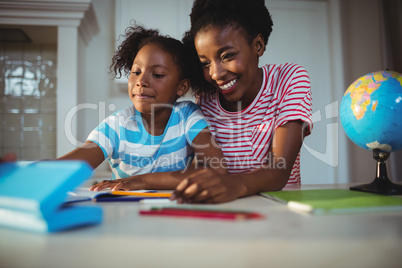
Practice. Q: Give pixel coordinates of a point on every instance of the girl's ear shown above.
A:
(259, 45)
(183, 87)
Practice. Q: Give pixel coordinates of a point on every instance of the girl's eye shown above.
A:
(136, 73)
(205, 64)
(158, 75)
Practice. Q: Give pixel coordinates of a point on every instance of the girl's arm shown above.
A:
(209, 186)
(207, 154)
(89, 152)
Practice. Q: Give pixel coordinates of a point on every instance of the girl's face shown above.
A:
(230, 62)
(155, 80)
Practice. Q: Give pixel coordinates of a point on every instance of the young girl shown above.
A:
(259, 116)
(156, 137)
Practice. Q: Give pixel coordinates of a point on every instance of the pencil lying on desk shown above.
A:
(141, 194)
(197, 213)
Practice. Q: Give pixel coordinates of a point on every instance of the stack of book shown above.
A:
(32, 196)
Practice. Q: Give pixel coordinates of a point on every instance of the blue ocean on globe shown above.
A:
(371, 111)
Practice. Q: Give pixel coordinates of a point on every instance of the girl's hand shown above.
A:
(208, 186)
(126, 184)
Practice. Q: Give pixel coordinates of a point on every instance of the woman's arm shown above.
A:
(207, 152)
(89, 152)
(211, 187)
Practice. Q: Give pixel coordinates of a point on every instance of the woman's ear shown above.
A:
(259, 45)
(183, 87)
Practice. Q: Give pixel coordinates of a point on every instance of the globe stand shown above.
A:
(381, 184)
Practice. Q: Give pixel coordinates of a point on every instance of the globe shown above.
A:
(371, 115)
(371, 111)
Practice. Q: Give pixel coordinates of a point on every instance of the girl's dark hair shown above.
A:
(137, 37)
(249, 16)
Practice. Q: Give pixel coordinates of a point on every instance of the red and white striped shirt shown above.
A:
(245, 137)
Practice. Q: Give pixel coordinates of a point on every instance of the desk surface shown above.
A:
(283, 239)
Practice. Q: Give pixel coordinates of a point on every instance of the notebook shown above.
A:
(84, 194)
(335, 201)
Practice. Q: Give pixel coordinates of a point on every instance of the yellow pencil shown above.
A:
(142, 194)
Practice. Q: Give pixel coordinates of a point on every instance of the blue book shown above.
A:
(32, 196)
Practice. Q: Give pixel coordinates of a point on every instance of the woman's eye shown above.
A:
(228, 56)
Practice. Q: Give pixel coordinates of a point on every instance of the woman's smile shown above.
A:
(228, 86)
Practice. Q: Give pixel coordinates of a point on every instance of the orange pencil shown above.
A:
(141, 194)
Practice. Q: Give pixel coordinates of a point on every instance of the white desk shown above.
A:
(283, 239)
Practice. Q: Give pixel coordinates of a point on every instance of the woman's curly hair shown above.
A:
(249, 16)
(137, 37)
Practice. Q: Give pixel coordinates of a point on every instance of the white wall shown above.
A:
(97, 85)
(302, 34)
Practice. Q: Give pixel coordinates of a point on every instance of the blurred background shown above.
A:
(55, 85)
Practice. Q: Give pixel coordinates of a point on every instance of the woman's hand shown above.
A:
(208, 186)
(126, 184)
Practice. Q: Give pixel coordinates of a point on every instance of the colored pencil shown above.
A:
(199, 213)
(141, 194)
(124, 198)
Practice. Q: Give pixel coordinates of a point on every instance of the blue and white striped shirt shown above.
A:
(131, 150)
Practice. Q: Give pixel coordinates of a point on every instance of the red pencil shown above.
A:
(209, 214)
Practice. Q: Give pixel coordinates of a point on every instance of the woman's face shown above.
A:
(154, 80)
(230, 62)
